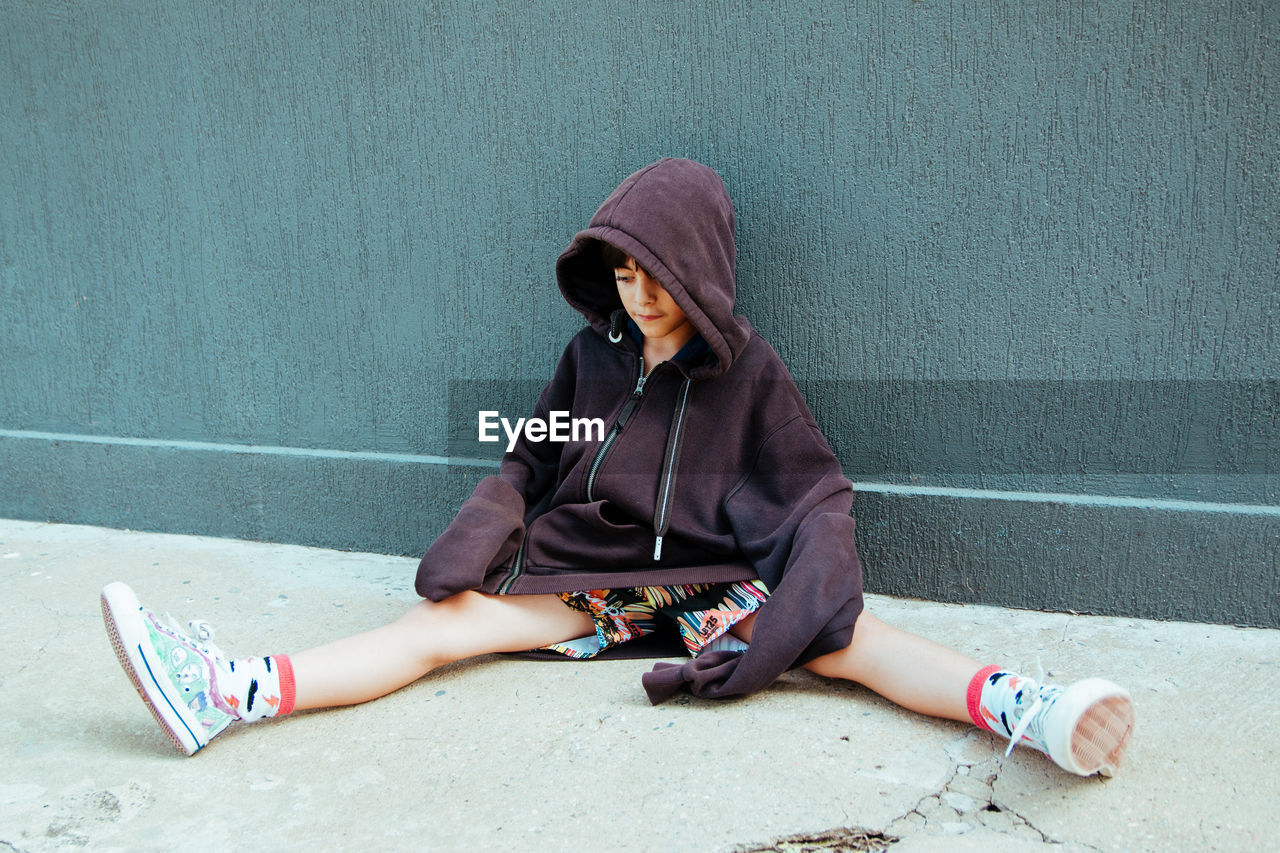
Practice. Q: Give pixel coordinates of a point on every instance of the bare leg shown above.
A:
(366, 666)
(913, 672)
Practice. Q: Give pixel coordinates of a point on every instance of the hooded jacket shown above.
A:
(711, 470)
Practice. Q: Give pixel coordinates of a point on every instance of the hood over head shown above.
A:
(676, 219)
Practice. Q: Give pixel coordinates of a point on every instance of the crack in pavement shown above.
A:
(967, 800)
(847, 839)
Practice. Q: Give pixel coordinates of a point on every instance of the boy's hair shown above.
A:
(613, 257)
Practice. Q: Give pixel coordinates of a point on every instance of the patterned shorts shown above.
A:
(703, 613)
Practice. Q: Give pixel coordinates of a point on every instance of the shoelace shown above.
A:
(200, 634)
(1029, 716)
(1024, 723)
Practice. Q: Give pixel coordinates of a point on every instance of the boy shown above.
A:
(713, 510)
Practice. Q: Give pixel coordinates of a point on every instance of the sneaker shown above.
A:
(1084, 728)
(176, 673)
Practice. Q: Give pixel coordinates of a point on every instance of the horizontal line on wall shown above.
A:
(1121, 502)
(1113, 501)
(252, 449)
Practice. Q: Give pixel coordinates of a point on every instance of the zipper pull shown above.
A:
(641, 380)
(657, 548)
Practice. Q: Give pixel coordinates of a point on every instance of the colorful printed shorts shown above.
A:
(703, 613)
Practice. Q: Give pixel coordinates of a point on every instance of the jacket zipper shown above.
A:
(662, 519)
(623, 417)
(516, 566)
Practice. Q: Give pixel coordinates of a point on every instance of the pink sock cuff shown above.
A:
(288, 689)
(973, 699)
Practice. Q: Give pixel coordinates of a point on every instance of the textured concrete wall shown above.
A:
(258, 262)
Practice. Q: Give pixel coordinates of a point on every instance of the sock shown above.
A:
(992, 698)
(257, 688)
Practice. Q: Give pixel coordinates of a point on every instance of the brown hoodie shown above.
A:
(712, 468)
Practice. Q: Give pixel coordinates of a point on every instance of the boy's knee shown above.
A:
(439, 629)
(427, 612)
(845, 663)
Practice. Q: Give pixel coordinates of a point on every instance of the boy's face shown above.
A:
(650, 306)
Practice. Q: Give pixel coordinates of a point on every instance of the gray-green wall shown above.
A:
(261, 262)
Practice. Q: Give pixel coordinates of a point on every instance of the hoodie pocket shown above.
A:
(591, 536)
(611, 517)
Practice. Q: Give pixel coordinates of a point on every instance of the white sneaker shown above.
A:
(1084, 728)
(175, 673)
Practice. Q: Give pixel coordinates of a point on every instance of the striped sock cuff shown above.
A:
(973, 699)
(288, 689)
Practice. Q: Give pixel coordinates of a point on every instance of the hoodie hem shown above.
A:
(566, 581)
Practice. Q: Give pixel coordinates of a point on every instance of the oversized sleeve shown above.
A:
(490, 524)
(791, 517)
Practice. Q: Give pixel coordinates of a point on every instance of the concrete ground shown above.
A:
(506, 754)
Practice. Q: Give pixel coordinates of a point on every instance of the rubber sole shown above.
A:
(122, 616)
(1101, 735)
